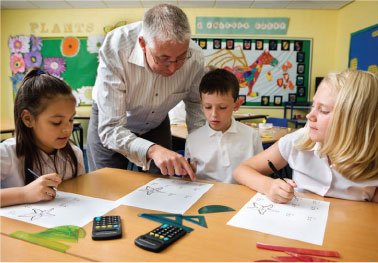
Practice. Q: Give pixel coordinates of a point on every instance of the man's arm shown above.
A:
(111, 101)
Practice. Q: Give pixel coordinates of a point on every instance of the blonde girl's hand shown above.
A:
(281, 191)
(41, 189)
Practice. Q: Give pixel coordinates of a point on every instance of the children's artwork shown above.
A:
(166, 195)
(301, 219)
(264, 67)
(73, 59)
(65, 209)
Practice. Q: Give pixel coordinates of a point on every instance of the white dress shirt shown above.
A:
(312, 172)
(12, 167)
(133, 100)
(217, 154)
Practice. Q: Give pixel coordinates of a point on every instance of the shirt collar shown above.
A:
(316, 149)
(233, 129)
(137, 56)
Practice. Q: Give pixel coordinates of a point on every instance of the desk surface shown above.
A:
(351, 227)
(181, 131)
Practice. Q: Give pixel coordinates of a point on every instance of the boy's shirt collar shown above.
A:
(232, 129)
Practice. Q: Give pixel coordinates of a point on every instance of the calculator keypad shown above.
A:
(106, 222)
(106, 227)
(160, 238)
(166, 232)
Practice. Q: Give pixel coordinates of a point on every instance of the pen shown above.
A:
(276, 172)
(36, 176)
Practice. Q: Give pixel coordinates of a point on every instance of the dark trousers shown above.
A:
(101, 157)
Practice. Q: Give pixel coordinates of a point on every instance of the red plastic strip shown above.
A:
(306, 258)
(287, 259)
(304, 251)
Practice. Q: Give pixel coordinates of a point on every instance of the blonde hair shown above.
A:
(352, 141)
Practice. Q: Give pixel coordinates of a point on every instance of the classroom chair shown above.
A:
(281, 122)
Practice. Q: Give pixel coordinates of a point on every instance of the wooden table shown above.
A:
(248, 116)
(351, 228)
(181, 131)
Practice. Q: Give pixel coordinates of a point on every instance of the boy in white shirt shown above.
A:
(218, 147)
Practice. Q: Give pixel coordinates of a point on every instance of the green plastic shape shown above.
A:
(176, 220)
(49, 238)
(214, 209)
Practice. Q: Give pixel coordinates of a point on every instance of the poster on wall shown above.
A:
(270, 71)
(73, 59)
(363, 52)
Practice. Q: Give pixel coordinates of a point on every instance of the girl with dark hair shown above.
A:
(40, 156)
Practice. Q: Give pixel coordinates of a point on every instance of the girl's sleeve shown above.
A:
(11, 166)
(6, 160)
(286, 143)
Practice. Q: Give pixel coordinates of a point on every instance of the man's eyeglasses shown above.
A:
(166, 62)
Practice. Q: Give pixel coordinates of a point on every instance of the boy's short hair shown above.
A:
(219, 81)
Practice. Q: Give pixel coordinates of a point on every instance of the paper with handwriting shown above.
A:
(301, 219)
(65, 209)
(166, 195)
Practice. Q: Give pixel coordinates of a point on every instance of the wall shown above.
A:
(352, 18)
(329, 29)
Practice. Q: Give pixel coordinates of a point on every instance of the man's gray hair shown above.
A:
(165, 22)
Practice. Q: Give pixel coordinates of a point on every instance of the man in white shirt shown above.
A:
(145, 69)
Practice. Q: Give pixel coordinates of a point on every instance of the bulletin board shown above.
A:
(363, 52)
(81, 69)
(270, 71)
(72, 59)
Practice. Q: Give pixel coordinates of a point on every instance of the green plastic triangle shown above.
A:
(199, 220)
(214, 209)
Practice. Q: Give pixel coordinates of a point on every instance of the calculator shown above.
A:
(106, 227)
(160, 238)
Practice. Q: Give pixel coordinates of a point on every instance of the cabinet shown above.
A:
(290, 106)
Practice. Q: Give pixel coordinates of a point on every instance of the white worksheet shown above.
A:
(301, 219)
(167, 195)
(65, 209)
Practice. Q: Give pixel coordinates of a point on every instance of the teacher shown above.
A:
(145, 69)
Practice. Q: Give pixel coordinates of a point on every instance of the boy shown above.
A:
(217, 148)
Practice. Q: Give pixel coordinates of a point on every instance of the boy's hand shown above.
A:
(42, 188)
(170, 162)
(281, 191)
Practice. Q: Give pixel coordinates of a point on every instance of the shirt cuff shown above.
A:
(140, 146)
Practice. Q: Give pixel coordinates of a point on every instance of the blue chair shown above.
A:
(281, 122)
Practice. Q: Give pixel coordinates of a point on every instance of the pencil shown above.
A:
(36, 176)
(276, 172)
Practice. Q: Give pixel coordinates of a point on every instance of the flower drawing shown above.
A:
(33, 59)
(36, 43)
(19, 44)
(94, 43)
(70, 46)
(16, 81)
(17, 63)
(55, 66)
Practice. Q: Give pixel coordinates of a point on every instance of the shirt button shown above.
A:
(156, 94)
(153, 112)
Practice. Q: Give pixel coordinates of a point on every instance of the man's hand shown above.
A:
(170, 162)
